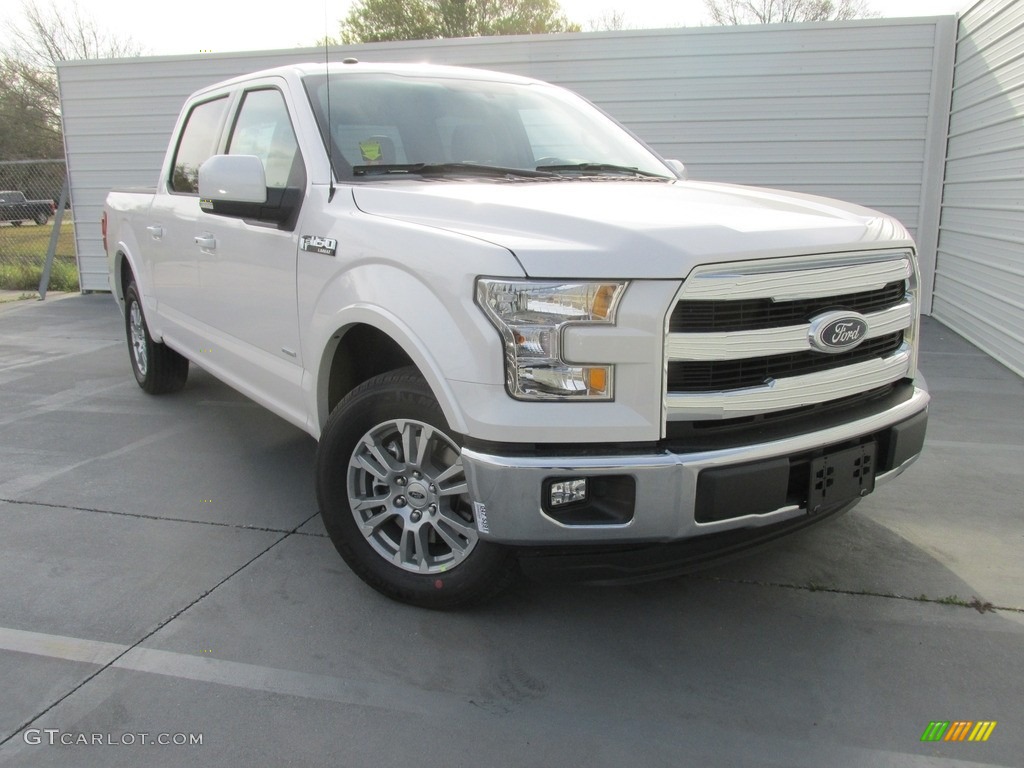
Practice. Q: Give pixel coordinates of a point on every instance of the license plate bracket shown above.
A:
(841, 476)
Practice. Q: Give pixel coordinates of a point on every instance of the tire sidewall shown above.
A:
(131, 296)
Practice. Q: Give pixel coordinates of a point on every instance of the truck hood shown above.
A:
(632, 229)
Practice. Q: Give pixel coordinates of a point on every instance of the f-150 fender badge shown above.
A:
(836, 332)
(327, 246)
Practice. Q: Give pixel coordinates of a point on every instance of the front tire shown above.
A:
(394, 500)
(158, 369)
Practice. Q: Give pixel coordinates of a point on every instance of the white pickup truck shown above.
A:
(519, 335)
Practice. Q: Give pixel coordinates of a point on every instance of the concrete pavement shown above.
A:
(166, 577)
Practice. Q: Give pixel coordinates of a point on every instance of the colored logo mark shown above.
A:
(958, 730)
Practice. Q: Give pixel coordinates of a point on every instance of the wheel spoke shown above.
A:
(370, 502)
(408, 431)
(375, 459)
(455, 521)
(373, 522)
(427, 437)
(412, 550)
(456, 473)
(458, 546)
(407, 555)
(363, 462)
(384, 456)
(416, 439)
(454, 490)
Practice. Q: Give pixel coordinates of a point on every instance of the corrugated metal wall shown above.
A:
(979, 281)
(854, 110)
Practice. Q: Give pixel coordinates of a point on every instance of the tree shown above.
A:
(379, 20)
(727, 12)
(608, 21)
(29, 98)
(29, 129)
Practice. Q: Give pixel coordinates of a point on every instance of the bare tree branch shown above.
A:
(29, 97)
(735, 12)
(608, 21)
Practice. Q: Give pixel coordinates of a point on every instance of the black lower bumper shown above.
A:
(635, 564)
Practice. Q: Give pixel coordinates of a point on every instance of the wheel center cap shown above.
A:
(418, 495)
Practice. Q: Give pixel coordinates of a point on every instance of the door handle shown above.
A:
(206, 240)
(156, 231)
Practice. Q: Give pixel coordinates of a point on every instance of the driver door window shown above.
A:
(264, 129)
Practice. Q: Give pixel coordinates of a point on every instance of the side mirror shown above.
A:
(677, 168)
(233, 178)
(236, 186)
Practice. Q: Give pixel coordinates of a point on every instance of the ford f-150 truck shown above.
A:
(16, 209)
(514, 329)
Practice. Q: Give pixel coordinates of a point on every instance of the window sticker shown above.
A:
(371, 150)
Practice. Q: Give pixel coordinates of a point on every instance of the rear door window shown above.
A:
(197, 144)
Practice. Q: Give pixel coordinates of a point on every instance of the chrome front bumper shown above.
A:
(506, 490)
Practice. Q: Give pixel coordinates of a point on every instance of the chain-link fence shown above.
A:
(29, 193)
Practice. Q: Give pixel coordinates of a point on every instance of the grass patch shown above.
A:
(23, 254)
(26, 277)
(34, 239)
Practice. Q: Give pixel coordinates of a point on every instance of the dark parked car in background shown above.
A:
(16, 209)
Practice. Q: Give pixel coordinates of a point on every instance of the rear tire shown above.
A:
(41, 218)
(393, 497)
(158, 369)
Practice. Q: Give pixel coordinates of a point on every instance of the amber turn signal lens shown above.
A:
(597, 380)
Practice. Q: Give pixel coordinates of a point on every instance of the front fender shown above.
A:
(442, 331)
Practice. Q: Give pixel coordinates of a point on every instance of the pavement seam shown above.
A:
(152, 632)
(981, 607)
(140, 516)
(952, 600)
(315, 534)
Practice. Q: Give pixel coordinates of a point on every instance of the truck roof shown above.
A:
(351, 66)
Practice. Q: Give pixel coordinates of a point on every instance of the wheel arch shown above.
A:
(123, 274)
(371, 344)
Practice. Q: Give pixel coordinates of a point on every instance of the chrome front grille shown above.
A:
(738, 336)
(722, 375)
(757, 314)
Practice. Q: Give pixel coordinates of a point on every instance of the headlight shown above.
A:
(530, 316)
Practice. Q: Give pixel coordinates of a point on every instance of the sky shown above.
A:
(220, 26)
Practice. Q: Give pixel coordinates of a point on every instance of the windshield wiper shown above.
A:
(444, 169)
(602, 168)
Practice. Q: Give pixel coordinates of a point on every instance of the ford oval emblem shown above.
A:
(835, 332)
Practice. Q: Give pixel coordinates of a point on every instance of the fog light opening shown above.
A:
(570, 491)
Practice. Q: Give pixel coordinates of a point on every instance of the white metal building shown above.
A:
(979, 278)
(855, 110)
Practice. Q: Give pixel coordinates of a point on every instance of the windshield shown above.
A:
(382, 124)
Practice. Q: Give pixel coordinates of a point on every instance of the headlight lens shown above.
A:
(531, 315)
